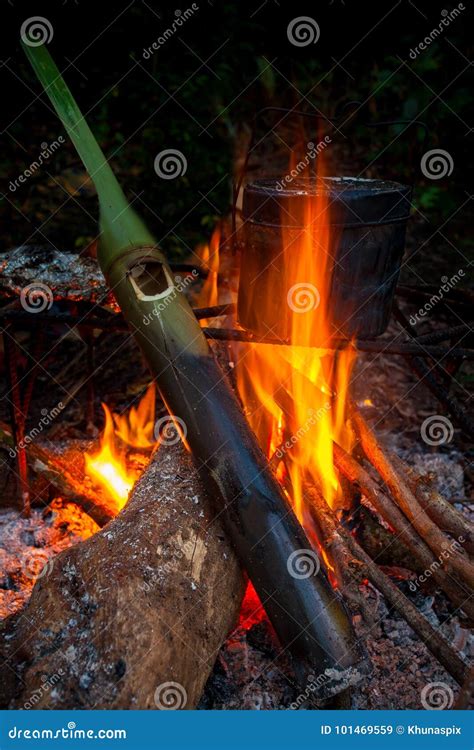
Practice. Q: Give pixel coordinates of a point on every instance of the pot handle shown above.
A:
(236, 187)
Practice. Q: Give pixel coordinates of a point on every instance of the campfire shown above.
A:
(241, 497)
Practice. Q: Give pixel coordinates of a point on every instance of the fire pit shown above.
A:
(293, 458)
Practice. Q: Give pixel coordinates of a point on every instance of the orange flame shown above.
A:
(209, 255)
(108, 466)
(136, 427)
(295, 396)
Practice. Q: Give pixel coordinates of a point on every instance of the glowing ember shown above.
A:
(108, 466)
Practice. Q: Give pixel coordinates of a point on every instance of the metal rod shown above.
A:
(382, 346)
(38, 336)
(115, 322)
(455, 297)
(54, 316)
(447, 333)
(110, 321)
(214, 312)
(88, 336)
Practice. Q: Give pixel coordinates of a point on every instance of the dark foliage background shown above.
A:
(199, 93)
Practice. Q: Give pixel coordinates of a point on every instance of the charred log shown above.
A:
(64, 469)
(134, 616)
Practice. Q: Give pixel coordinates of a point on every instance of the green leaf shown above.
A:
(120, 225)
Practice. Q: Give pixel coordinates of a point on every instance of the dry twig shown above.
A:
(457, 563)
(356, 474)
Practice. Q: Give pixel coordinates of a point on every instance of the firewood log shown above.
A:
(63, 467)
(134, 616)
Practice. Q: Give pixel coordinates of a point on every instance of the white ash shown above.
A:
(42, 536)
(250, 674)
(445, 470)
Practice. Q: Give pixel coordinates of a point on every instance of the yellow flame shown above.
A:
(209, 255)
(136, 427)
(108, 466)
(295, 396)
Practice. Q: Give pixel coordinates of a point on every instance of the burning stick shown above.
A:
(361, 567)
(356, 474)
(341, 558)
(432, 639)
(465, 699)
(308, 619)
(457, 563)
(439, 510)
(59, 469)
